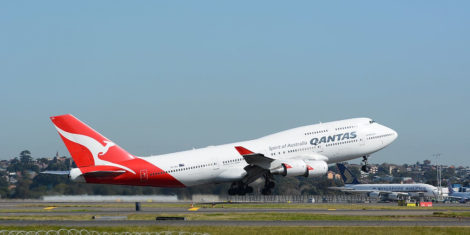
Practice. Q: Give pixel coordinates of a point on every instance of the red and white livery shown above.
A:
(303, 151)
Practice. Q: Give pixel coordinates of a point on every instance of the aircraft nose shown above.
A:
(392, 135)
(395, 134)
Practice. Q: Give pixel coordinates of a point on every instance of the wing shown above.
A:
(261, 160)
(256, 159)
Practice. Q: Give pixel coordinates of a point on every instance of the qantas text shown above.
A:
(333, 138)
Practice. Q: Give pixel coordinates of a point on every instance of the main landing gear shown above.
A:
(268, 184)
(239, 188)
(365, 168)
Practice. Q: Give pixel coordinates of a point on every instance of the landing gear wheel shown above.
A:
(241, 192)
(266, 191)
(270, 184)
(239, 188)
(249, 189)
(232, 191)
(365, 168)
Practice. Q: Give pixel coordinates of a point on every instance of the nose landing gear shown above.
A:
(365, 168)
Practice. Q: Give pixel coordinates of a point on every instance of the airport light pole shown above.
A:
(438, 169)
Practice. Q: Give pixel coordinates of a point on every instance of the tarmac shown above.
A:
(405, 217)
(309, 223)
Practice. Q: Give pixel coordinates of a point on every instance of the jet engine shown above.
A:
(297, 167)
(392, 196)
(291, 167)
(374, 195)
(315, 168)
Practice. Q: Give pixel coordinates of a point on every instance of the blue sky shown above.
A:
(158, 77)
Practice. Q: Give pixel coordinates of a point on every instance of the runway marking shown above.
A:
(193, 208)
(331, 209)
(50, 208)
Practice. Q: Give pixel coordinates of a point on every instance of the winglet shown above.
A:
(243, 151)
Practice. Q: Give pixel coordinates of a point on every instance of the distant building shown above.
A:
(407, 180)
(331, 175)
(374, 169)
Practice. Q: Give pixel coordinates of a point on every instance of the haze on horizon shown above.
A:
(160, 77)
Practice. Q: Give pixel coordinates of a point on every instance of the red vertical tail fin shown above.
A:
(87, 146)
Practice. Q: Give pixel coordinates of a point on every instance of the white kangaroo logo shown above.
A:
(95, 147)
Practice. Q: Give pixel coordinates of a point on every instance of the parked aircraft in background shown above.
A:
(303, 151)
(383, 191)
(463, 197)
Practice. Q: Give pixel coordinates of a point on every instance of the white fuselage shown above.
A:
(414, 190)
(331, 142)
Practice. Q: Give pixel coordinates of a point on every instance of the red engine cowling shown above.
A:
(316, 168)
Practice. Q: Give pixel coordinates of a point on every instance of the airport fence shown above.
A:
(353, 198)
(92, 232)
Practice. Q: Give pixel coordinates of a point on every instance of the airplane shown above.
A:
(383, 191)
(303, 151)
(463, 197)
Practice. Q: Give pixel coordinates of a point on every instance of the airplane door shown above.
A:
(143, 175)
(215, 167)
(319, 148)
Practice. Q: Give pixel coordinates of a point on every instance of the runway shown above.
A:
(150, 211)
(80, 214)
(309, 223)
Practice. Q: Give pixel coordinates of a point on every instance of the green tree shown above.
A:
(22, 188)
(4, 191)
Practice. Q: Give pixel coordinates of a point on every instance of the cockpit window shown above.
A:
(371, 121)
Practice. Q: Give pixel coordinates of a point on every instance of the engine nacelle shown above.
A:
(374, 195)
(392, 196)
(291, 167)
(315, 168)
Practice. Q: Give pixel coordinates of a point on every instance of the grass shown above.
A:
(259, 216)
(310, 206)
(229, 230)
(338, 206)
(109, 205)
(44, 210)
(452, 214)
